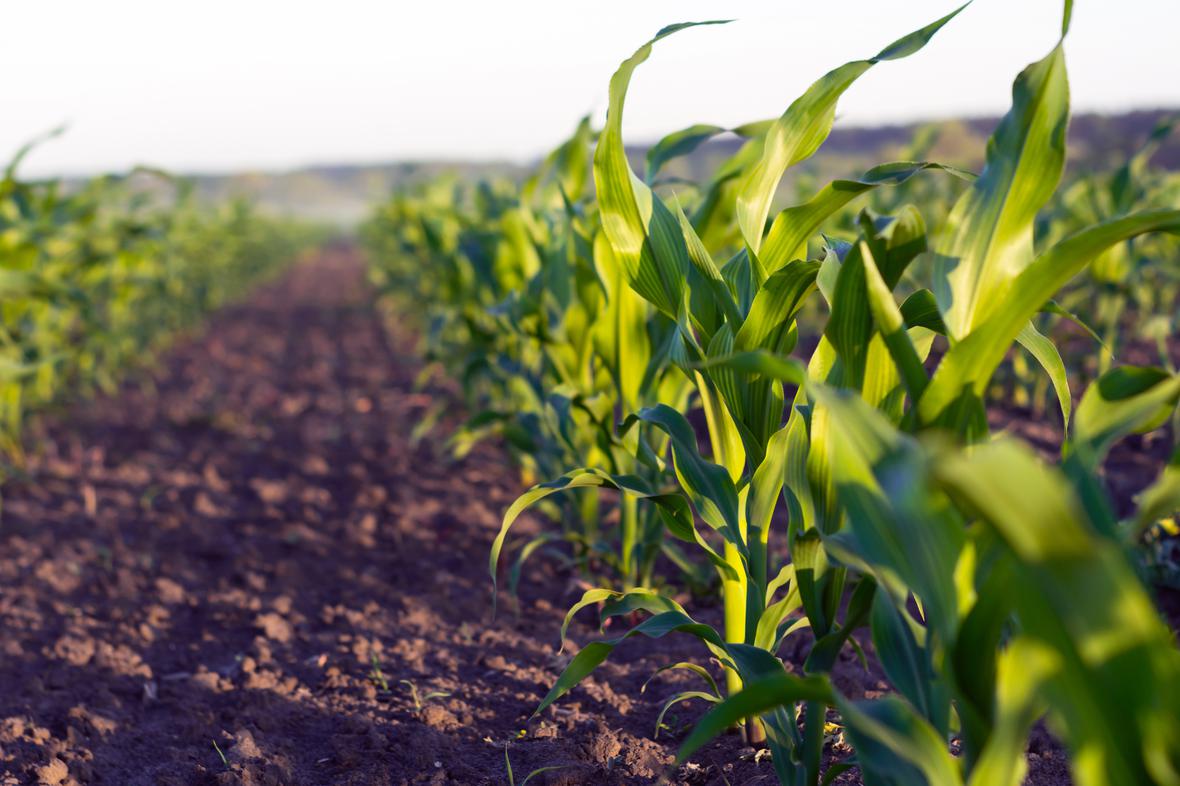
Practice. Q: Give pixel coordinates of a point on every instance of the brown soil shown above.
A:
(247, 557)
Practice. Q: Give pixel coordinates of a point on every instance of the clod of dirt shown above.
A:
(272, 492)
(97, 723)
(169, 591)
(500, 663)
(52, 773)
(439, 717)
(646, 758)
(602, 746)
(74, 650)
(244, 748)
(274, 626)
(209, 680)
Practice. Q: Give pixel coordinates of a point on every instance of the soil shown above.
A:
(244, 570)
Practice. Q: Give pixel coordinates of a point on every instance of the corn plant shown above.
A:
(995, 588)
(1139, 278)
(747, 305)
(551, 343)
(95, 279)
(994, 548)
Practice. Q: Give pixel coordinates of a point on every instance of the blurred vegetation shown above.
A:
(99, 275)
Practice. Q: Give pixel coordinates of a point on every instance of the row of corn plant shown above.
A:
(997, 587)
(530, 309)
(1134, 287)
(96, 276)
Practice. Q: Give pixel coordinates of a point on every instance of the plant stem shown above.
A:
(755, 599)
(733, 595)
(629, 528)
(588, 514)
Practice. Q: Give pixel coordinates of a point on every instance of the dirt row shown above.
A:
(243, 570)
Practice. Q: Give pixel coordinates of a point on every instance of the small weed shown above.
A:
(531, 775)
(376, 676)
(420, 701)
(221, 755)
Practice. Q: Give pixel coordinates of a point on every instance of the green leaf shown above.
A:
(826, 649)
(879, 476)
(774, 308)
(676, 511)
(890, 738)
(643, 233)
(594, 653)
(695, 668)
(756, 698)
(891, 324)
(708, 485)
(793, 227)
(904, 661)
(850, 325)
(25, 149)
(1113, 699)
(766, 634)
(921, 310)
(678, 143)
(1024, 667)
(989, 232)
(620, 333)
(702, 261)
(621, 603)
(767, 364)
(1123, 400)
(805, 125)
(765, 487)
(976, 648)
(1161, 498)
(969, 364)
(1045, 352)
(676, 699)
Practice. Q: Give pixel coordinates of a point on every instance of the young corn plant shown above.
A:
(1138, 281)
(1017, 570)
(996, 588)
(561, 347)
(726, 315)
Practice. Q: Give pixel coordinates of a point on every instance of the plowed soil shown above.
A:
(243, 570)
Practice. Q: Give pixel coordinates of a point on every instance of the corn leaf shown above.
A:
(805, 125)
(756, 698)
(793, 227)
(969, 364)
(989, 233)
(643, 232)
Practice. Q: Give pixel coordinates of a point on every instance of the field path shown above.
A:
(230, 551)
(244, 555)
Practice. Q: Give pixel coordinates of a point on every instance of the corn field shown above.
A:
(362, 443)
(762, 418)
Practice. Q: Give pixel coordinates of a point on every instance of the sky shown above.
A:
(276, 84)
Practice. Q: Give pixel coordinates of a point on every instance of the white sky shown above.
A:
(220, 85)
